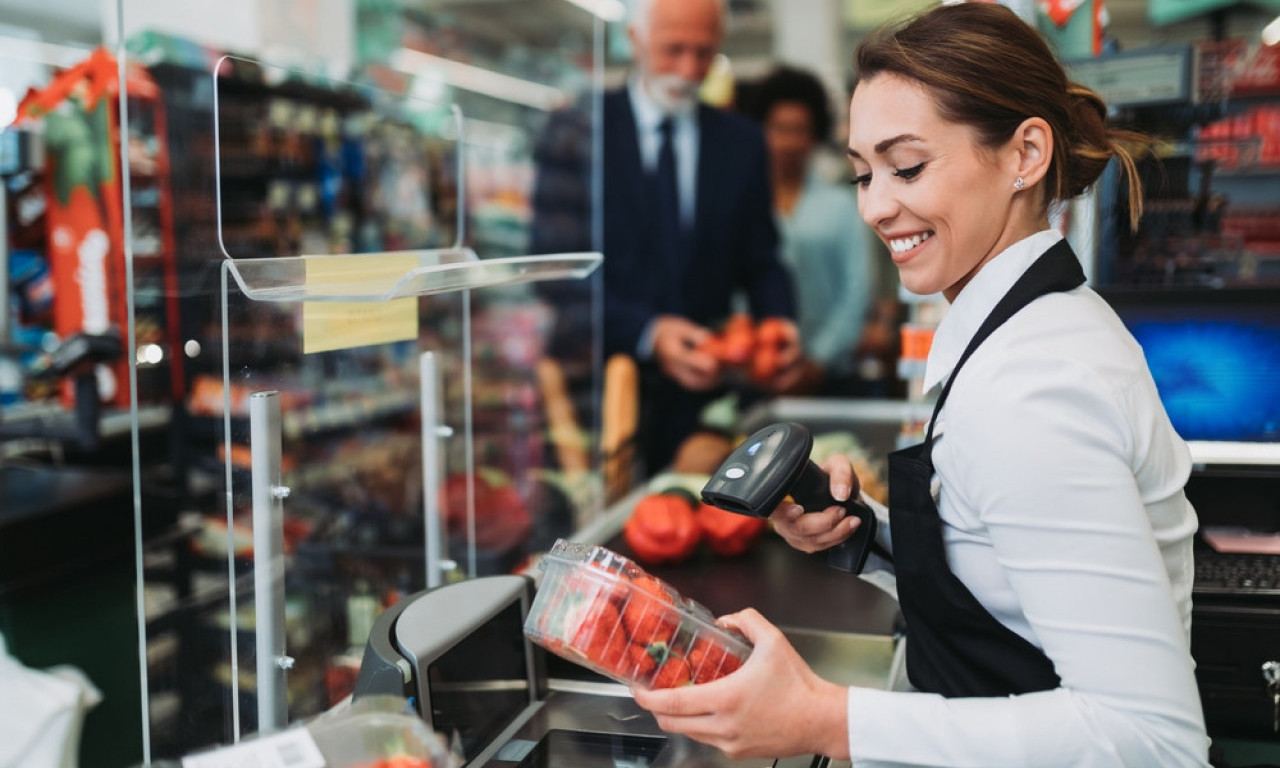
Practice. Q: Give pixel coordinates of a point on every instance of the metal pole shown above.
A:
(269, 494)
(432, 460)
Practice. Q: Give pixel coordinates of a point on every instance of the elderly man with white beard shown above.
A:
(687, 222)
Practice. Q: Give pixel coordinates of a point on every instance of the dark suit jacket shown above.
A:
(735, 241)
(734, 244)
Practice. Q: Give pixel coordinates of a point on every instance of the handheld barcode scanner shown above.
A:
(774, 462)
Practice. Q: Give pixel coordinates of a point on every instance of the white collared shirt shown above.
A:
(684, 133)
(1060, 492)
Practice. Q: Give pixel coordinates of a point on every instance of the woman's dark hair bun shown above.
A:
(1088, 140)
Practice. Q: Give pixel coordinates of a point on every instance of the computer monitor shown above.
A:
(1215, 358)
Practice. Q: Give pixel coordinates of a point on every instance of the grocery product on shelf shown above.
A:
(601, 610)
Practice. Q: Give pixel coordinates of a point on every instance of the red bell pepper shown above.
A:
(728, 533)
(662, 529)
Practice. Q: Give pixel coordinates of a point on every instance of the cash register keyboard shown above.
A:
(1219, 573)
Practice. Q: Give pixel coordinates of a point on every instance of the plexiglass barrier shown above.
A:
(68, 521)
(381, 377)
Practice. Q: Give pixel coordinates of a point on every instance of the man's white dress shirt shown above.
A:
(684, 137)
(1060, 485)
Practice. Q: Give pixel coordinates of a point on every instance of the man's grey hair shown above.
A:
(641, 10)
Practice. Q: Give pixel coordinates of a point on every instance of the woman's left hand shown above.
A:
(773, 706)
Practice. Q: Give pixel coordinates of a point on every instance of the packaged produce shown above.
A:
(371, 732)
(603, 611)
(379, 732)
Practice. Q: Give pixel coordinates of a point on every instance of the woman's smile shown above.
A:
(904, 247)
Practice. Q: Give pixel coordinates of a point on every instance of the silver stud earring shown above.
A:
(1018, 183)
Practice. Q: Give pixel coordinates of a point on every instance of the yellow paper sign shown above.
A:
(329, 325)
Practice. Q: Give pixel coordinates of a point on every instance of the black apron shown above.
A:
(955, 647)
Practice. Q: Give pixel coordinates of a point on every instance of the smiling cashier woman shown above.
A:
(1040, 535)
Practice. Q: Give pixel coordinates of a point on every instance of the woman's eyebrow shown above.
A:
(885, 145)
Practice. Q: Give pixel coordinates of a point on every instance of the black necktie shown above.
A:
(667, 197)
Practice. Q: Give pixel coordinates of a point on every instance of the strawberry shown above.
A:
(600, 637)
(731, 663)
(673, 673)
(704, 660)
(649, 620)
(594, 582)
(575, 600)
(653, 586)
(642, 661)
(709, 661)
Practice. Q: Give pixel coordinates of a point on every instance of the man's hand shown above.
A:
(791, 368)
(803, 379)
(675, 347)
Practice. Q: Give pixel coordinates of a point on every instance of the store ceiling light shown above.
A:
(607, 10)
(1271, 32)
(480, 80)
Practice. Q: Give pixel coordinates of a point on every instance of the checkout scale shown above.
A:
(459, 654)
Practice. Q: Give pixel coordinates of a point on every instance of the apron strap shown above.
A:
(1055, 271)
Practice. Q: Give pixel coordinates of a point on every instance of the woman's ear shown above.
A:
(1032, 143)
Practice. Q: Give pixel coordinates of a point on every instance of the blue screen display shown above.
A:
(1215, 361)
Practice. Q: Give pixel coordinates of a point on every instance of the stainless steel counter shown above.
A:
(876, 423)
(598, 709)
(792, 589)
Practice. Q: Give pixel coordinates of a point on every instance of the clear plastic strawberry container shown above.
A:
(601, 610)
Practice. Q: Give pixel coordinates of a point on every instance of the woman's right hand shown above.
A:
(816, 531)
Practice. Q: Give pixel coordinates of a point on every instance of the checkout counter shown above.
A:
(543, 710)
(458, 652)
(459, 655)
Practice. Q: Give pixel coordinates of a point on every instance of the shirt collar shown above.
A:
(977, 299)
